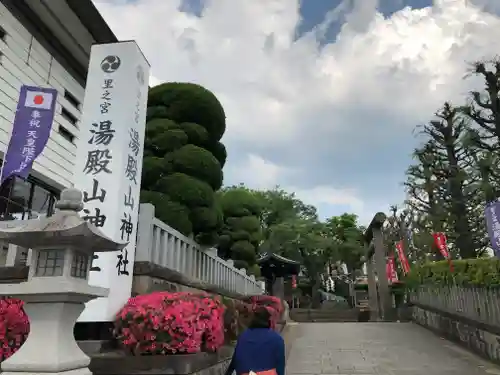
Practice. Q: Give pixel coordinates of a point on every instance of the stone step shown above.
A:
(316, 315)
(328, 320)
(325, 313)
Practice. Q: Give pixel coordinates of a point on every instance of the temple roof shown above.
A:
(264, 257)
(277, 265)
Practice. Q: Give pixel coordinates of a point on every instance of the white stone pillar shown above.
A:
(51, 346)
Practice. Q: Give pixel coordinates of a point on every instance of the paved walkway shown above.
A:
(378, 348)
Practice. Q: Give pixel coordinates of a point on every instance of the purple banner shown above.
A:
(492, 215)
(30, 130)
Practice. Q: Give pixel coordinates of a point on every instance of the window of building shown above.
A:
(41, 202)
(80, 265)
(25, 199)
(21, 191)
(50, 263)
(72, 99)
(3, 34)
(4, 249)
(66, 134)
(18, 204)
(68, 116)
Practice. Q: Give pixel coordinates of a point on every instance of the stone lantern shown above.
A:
(57, 287)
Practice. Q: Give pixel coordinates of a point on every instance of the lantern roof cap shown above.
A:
(66, 228)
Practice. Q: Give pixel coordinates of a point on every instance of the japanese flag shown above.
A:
(38, 99)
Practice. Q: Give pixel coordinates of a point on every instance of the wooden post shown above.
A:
(279, 288)
(383, 285)
(372, 290)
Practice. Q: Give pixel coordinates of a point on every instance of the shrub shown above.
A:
(242, 226)
(188, 102)
(199, 163)
(483, 272)
(203, 217)
(183, 156)
(273, 304)
(14, 326)
(169, 211)
(169, 323)
(254, 269)
(186, 190)
(243, 250)
(197, 135)
(219, 151)
(237, 316)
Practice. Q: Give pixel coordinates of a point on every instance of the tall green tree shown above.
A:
(484, 138)
(426, 187)
(183, 158)
(484, 107)
(446, 133)
(290, 228)
(279, 205)
(347, 235)
(307, 241)
(241, 234)
(457, 169)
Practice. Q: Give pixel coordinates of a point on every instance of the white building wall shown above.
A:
(23, 60)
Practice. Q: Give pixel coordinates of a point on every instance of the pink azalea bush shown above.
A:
(14, 326)
(237, 316)
(169, 323)
(273, 304)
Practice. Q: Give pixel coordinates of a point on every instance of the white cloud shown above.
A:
(262, 174)
(327, 198)
(153, 81)
(320, 195)
(294, 99)
(257, 173)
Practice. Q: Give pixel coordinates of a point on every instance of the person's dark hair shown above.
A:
(261, 318)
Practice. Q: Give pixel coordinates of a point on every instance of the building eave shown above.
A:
(90, 17)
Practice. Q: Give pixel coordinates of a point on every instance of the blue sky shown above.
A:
(321, 97)
(313, 12)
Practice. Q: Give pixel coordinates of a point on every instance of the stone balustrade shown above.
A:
(469, 316)
(161, 247)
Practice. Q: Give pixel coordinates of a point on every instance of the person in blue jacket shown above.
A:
(259, 349)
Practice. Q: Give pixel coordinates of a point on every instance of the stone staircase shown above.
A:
(324, 315)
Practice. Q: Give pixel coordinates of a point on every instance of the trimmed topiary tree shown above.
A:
(241, 234)
(183, 159)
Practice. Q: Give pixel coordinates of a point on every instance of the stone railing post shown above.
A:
(145, 233)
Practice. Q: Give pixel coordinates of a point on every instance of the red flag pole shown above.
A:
(440, 242)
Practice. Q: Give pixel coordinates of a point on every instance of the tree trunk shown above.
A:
(315, 296)
(464, 240)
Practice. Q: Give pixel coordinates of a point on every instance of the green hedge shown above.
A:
(483, 272)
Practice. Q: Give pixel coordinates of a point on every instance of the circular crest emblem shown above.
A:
(110, 64)
(140, 75)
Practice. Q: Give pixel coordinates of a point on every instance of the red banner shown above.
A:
(390, 269)
(402, 257)
(440, 242)
(294, 281)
